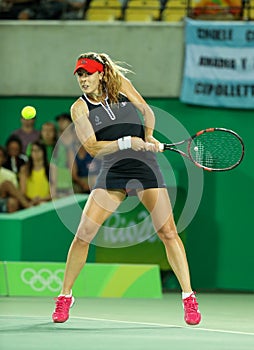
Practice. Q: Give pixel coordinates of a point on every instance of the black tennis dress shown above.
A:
(127, 169)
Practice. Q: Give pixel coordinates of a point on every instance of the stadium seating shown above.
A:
(174, 11)
(142, 10)
(248, 13)
(151, 10)
(104, 10)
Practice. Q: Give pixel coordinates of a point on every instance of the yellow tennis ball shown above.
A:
(28, 112)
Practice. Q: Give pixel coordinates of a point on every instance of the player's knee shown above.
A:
(86, 232)
(167, 233)
(80, 241)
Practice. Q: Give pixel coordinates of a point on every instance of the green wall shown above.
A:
(220, 237)
(37, 233)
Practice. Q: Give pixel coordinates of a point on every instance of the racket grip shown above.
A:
(161, 147)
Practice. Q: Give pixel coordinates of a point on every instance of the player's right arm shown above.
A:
(86, 135)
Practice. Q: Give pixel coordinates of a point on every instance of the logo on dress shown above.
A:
(97, 120)
(123, 104)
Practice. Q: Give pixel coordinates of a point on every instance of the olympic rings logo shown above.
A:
(43, 279)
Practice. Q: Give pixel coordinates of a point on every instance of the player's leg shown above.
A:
(100, 205)
(157, 202)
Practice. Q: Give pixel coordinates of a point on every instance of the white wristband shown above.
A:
(124, 143)
(120, 144)
(127, 142)
(161, 147)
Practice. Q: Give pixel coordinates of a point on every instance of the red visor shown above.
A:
(91, 66)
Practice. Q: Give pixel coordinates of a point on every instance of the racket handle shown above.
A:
(161, 147)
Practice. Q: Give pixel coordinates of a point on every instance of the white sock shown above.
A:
(187, 295)
(66, 295)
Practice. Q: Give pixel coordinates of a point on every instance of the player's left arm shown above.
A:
(134, 96)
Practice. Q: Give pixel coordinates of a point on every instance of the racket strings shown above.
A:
(216, 150)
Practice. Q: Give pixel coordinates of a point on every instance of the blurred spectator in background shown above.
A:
(50, 9)
(63, 158)
(18, 9)
(15, 158)
(74, 9)
(34, 175)
(27, 132)
(43, 9)
(217, 9)
(11, 198)
(48, 137)
(65, 128)
(84, 170)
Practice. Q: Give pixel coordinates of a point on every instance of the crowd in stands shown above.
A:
(42, 9)
(38, 166)
(79, 9)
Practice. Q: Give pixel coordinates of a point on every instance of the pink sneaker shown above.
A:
(192, 315)
(63, 305)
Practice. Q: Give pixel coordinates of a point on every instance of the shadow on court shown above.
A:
(84, 327)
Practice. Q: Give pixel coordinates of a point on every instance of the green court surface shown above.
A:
(128, 324)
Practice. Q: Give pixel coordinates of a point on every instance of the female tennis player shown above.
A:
(108, 125)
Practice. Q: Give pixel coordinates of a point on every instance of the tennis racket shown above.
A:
(213, 149)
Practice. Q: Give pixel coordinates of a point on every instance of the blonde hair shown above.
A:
(113, 71)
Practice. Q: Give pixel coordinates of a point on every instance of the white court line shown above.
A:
(165, 325)
(196, 328)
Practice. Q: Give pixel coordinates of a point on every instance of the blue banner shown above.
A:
(219, 64)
